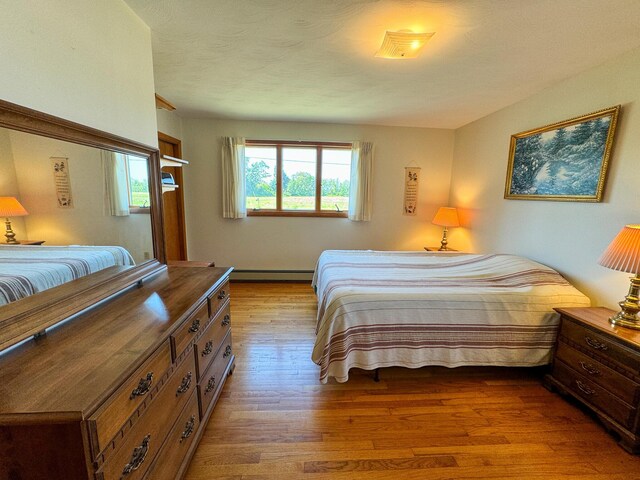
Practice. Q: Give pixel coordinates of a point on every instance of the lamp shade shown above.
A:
(623, 253)
(10, 207)
(446, 217)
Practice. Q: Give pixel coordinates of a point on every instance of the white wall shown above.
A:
(81, 60)
(169, 123)
(283, 243)
(565, 235)
(9, 184)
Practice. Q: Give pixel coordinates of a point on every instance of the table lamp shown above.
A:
(10, 207)
(446, 217)
(623, 254)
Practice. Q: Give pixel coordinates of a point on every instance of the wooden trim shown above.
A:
(318, 178)
(279, 170)
(164, 103)
(296, 213)
(139, 210)
(298, 143)
(19, 320)
(177, 143)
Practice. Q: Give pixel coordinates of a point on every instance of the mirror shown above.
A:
(114, 199)
(35, 170)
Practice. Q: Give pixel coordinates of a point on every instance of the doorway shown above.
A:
(175, 234)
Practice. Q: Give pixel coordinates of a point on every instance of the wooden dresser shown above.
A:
(122, 391)
(599, 365)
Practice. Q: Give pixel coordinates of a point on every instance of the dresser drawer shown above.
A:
(189, 330)
(599, 345)
(173, 452)
(592, 393)
(137, 447)
(110, 417)
(612, 381)
(217, 298)
(213, 377)
(209, 343)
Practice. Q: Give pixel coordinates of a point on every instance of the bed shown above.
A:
(413, 309)
(29, 269)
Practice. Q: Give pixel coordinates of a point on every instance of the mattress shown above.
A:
(413, 309)
(29, 269)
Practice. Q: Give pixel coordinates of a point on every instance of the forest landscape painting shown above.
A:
(566, 161)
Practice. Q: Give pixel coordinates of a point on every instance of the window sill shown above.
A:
(295, 213)
(136, 210)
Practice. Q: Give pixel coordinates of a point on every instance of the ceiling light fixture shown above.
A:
(403, 44)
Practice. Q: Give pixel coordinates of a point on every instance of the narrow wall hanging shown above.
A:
(411, 187)
(60, 166)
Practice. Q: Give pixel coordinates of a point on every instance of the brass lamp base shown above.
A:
(628, 315)
(11, 236)
(444, 241)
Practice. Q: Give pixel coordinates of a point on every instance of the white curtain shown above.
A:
(360, 198)
(116, 190)
(233, 188)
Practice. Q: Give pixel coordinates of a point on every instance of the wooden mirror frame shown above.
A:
(32, 315)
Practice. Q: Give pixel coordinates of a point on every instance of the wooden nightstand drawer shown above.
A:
(612, 381)
(594, 394)
(599, 346)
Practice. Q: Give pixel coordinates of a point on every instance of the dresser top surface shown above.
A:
(598, 319)
(75, 365)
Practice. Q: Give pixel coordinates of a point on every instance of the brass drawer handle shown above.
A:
(211, 384)
(184, 386)
(188, 428)
(143, 386)
(195, 326)
(208, 348)
(590, 369)
(222, 294)
(227, 351)
(137, 457)
(595, 344)
(586, 390)
(226, 320)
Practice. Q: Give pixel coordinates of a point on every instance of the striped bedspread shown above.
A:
(412, 309)
(29, 269)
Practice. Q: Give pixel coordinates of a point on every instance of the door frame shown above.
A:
(177, 144)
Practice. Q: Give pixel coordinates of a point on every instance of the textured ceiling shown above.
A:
(313, 60)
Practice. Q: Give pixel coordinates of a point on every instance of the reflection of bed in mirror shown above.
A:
(27, 270)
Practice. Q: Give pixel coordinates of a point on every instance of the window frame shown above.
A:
(135, 209)
(278, 211)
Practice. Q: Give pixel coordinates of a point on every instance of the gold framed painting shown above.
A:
(564, 161)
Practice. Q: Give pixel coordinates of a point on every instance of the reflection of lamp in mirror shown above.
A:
(623, 254)
(446, 217)
(10, 207)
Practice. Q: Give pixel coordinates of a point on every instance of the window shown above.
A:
(138, 184)
(297, 178)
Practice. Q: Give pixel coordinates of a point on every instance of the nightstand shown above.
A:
(437, 249)
(599, 365)
(25, 242)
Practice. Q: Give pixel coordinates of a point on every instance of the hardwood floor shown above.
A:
(276, 421)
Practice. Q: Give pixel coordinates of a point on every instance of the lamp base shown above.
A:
(444, 242)
(628, 315)
(11, 236)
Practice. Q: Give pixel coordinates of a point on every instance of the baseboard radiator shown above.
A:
(272, 275)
